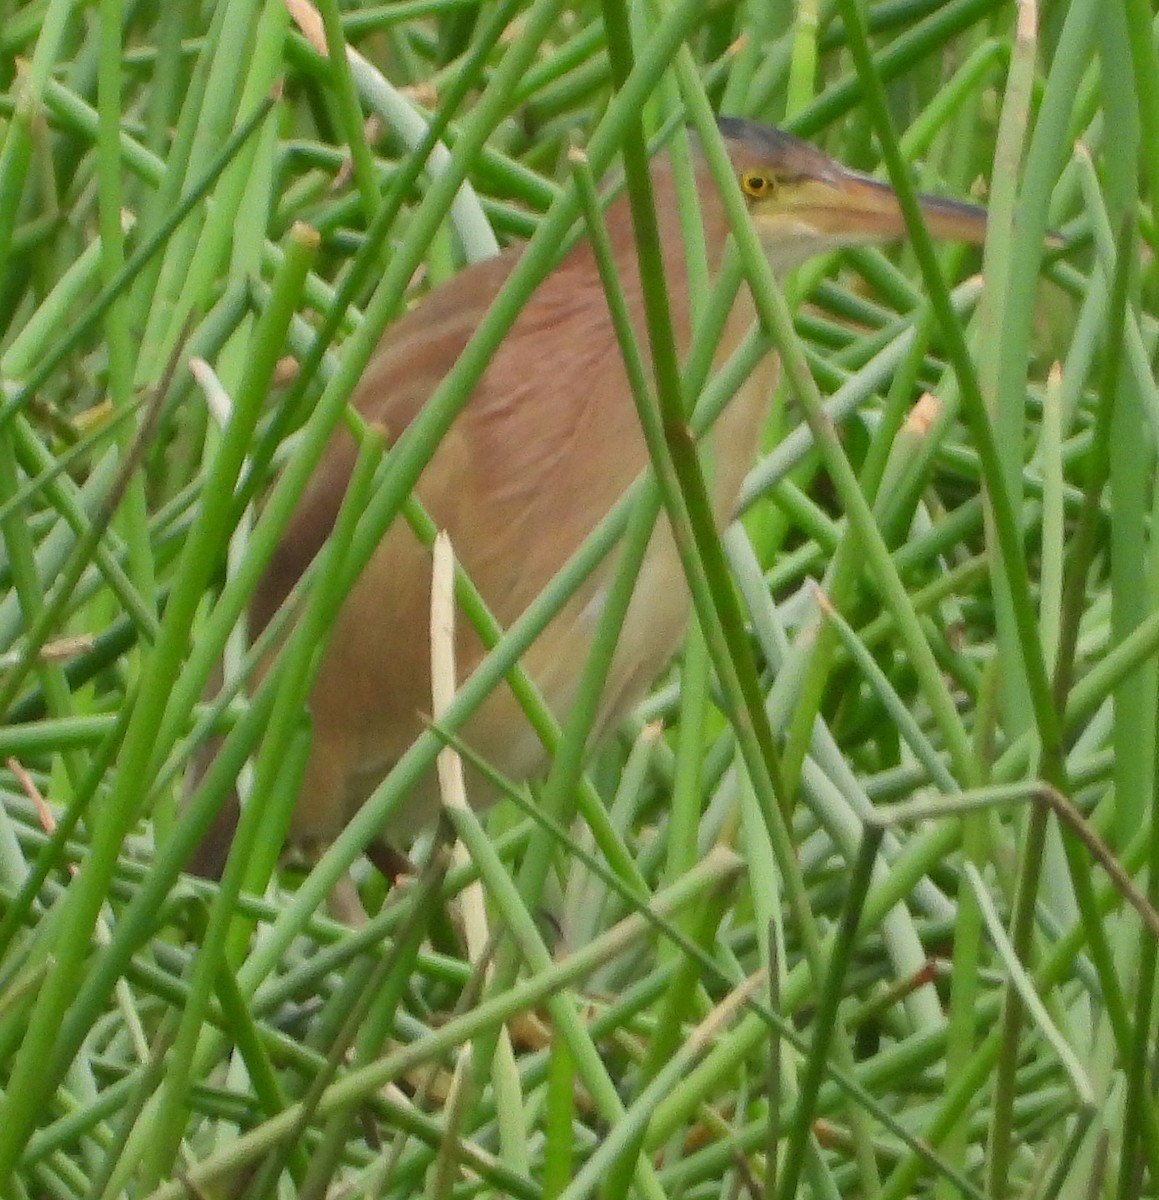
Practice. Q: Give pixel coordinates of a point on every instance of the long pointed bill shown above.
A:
(859, 208)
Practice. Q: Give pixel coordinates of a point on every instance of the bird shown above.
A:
(545, 445)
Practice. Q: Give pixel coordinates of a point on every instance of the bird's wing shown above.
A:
(414, 356)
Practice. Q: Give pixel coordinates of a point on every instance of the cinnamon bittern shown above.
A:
(546, 444)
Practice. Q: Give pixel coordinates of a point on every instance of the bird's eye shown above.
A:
(756, 184)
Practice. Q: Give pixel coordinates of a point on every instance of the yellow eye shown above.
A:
(756, 184)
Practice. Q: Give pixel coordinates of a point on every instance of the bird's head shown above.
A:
(802, 202)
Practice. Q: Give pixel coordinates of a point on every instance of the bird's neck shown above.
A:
(680, 281)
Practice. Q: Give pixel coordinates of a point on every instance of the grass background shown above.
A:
(891, 934)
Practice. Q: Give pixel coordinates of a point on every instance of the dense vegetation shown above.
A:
(893, 933)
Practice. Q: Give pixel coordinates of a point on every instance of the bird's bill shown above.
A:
(864, 209)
